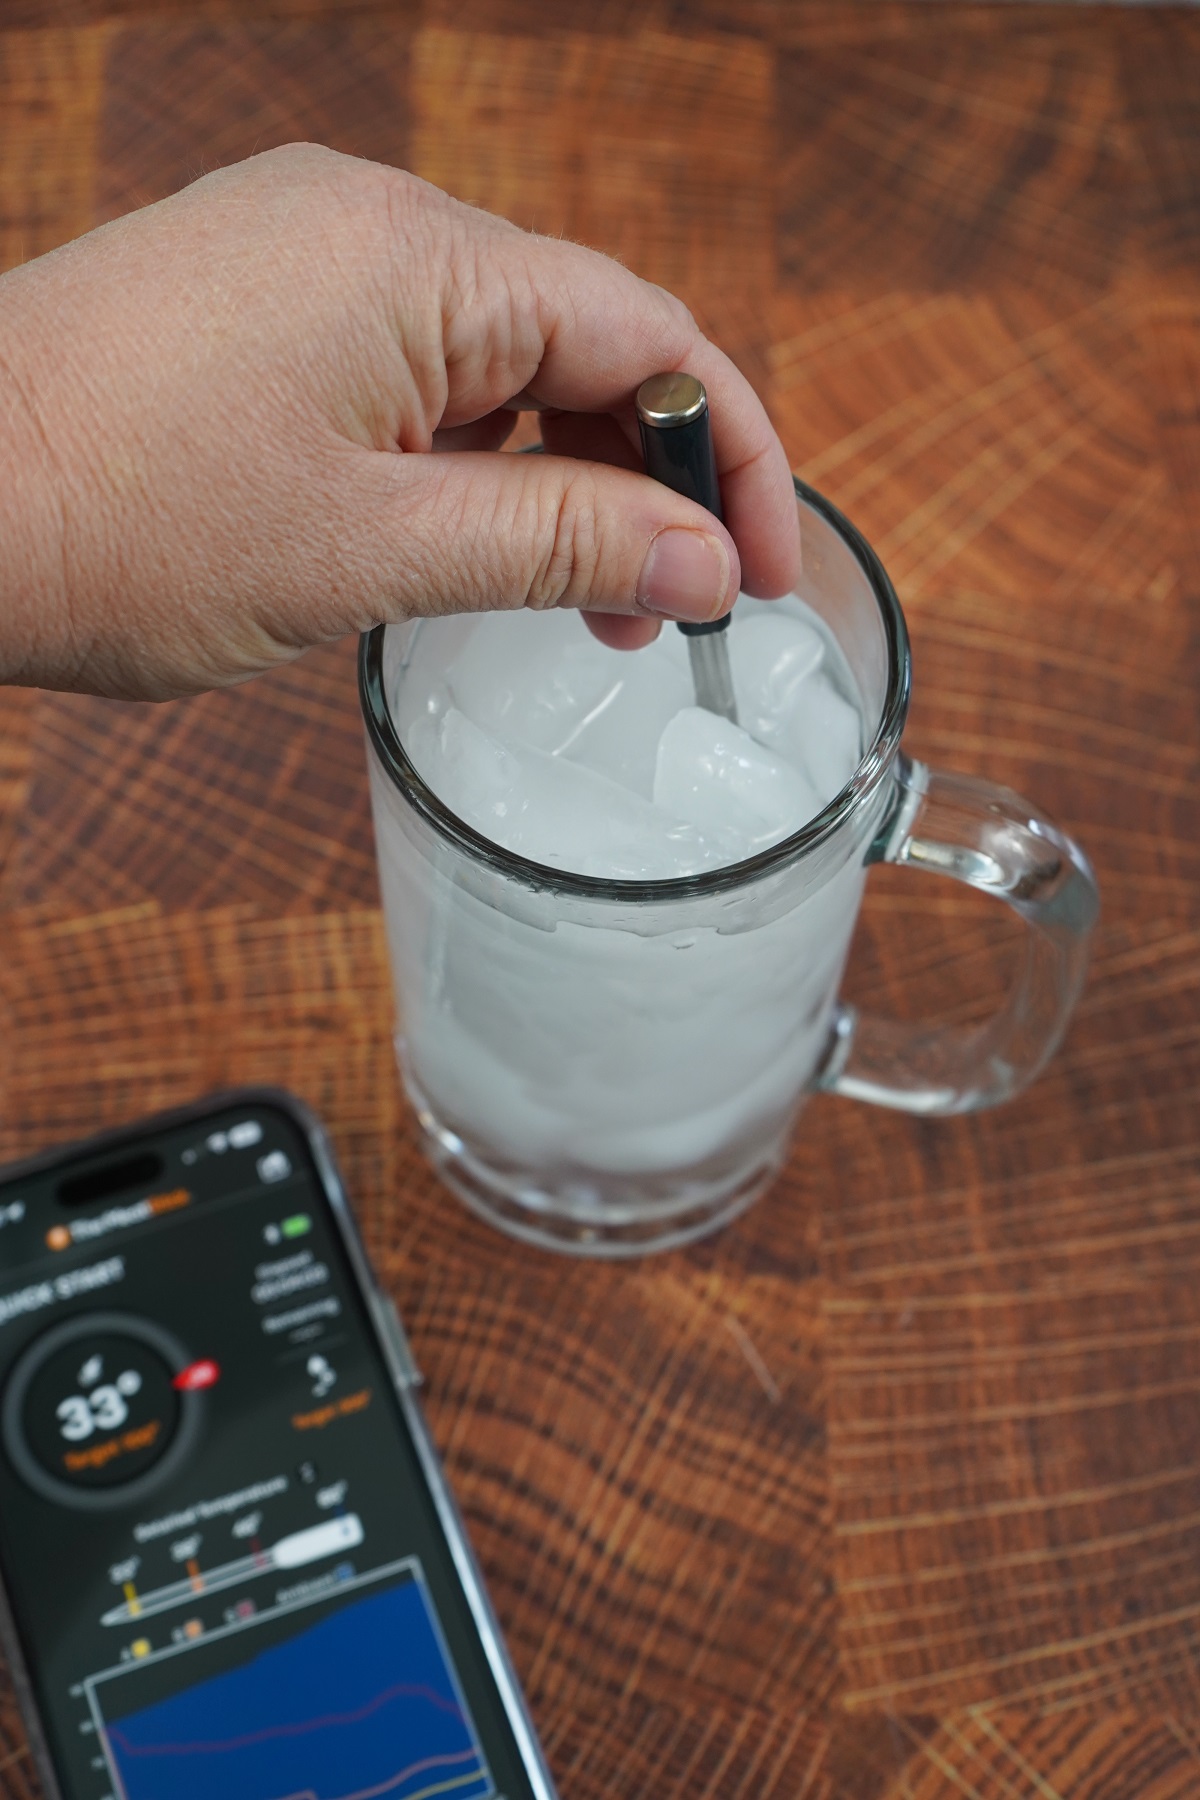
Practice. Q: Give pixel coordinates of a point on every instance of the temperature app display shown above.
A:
(92, 1407)
(225, 1567)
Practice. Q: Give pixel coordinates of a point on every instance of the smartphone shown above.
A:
(231, 1565)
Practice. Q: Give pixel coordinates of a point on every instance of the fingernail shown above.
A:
(685, 575)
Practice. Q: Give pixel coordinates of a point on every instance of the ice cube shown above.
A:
(554, 811)
(822, 735)
(713, 774)
(619, 736)
(417, 684)
(531, 678)
(470, 772)
(771, 654)
(787, 699)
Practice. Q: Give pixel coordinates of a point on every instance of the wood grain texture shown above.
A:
(972, 158)
(891, 1491)
(654, 146)
(184, 97)
(255, 794)
(50, 86)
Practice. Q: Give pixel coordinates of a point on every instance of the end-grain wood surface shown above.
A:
(892, 1489)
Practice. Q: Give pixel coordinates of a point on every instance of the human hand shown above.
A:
(223, 415)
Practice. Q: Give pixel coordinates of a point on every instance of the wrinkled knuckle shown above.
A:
(675, 310)
(287, 161)
(677, 318)
(569, 540)
(405, 193)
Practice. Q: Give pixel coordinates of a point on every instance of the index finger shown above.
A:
(581, 334)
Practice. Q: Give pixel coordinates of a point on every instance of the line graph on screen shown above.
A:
(363, 1705)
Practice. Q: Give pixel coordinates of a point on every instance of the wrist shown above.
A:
(35, 635)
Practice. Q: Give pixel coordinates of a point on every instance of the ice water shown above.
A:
(599, 762)
(588, 1052)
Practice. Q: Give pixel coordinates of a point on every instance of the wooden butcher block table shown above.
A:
(893, 1487)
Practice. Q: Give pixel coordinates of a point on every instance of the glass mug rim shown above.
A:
(844, 806)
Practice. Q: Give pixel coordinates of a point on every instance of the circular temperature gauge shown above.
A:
(92, 1417)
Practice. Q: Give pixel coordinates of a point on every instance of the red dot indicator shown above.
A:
(197, 1375)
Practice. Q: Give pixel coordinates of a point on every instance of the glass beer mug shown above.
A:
(611, 1066)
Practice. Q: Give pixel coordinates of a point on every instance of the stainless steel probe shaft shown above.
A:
(678, 450)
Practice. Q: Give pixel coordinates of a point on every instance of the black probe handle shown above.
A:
(682, 458)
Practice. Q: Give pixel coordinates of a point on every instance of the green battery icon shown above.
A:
(296, 1226)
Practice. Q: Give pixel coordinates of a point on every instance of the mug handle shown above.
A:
(991, 839)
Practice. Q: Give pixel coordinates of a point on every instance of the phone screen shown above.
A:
(223, 1558)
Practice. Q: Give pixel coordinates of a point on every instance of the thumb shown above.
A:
(472, 532)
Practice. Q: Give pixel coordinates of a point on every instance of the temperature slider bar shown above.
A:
(292, 1552)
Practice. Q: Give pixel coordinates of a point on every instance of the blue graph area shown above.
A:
(360, 1707)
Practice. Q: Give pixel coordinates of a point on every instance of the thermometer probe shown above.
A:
(678, 450)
